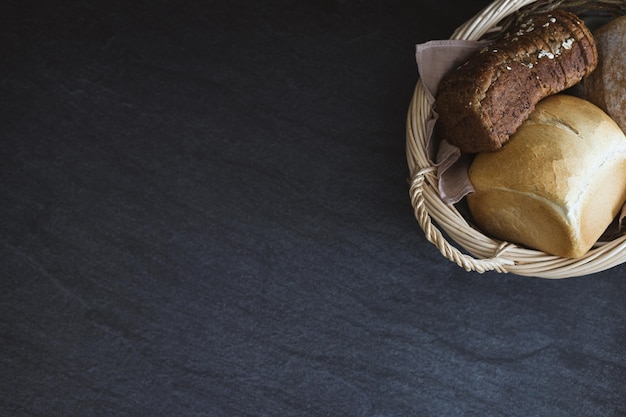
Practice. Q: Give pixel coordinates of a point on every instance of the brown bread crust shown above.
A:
(606, 86)
(483, 102)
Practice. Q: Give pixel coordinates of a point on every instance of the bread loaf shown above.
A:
(482, 102)
(557, 184)
(606, 86)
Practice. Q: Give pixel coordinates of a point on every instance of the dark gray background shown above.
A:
(204, 212)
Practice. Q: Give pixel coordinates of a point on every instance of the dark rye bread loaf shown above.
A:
(482, 102)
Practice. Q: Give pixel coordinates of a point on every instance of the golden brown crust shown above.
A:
(557, 184)
(482, 102)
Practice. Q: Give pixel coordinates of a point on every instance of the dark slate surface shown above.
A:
(204, 212)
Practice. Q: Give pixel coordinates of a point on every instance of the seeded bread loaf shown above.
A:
(482, 102)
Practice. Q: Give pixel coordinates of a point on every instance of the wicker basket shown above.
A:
(443, 223)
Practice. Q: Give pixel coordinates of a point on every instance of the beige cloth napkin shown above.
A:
(434, 60)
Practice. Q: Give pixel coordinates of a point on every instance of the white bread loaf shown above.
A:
(558, 183)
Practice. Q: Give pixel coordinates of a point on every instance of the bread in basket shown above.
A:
(444, 224)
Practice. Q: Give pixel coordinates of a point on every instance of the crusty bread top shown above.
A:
(555, 132)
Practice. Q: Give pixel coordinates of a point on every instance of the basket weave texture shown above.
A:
(444, 226)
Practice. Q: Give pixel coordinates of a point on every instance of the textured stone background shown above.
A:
(204, 212)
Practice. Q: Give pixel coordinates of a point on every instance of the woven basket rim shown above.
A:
(442, 223)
